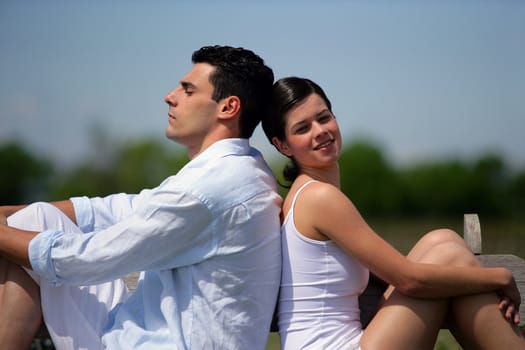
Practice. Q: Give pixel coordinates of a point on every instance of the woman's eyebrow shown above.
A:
(318, 114)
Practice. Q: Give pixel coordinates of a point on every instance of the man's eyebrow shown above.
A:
(187, 85)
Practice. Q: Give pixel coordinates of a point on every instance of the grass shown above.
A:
(499, 237)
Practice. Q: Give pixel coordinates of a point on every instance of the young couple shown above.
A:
(208, 243)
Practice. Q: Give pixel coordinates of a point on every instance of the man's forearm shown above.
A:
(66, 206)
(8, 210)
(14, 245)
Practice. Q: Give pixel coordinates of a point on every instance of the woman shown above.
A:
(328, 251)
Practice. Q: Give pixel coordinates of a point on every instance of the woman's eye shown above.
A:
(301, 129)
(325, 118)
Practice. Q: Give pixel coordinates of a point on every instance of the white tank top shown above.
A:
(320, 286)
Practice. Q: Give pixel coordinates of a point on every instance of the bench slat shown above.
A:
(516, 265)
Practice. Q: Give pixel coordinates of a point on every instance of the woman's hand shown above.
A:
(510, 302)
(509, 310)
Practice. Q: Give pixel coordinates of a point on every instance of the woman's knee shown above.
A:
(449, 252)
(442, 235)
(433, 239)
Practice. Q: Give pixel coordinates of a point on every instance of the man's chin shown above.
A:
(173, 137)
(169, 134)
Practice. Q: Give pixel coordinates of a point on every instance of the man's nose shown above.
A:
(171, 97)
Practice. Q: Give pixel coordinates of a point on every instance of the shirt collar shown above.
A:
(222, 148)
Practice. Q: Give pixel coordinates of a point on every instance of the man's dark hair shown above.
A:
(239, 72)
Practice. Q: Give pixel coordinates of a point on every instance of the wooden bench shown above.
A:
(369, 300)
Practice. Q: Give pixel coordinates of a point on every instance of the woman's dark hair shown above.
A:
(239, 72)
(287, 93)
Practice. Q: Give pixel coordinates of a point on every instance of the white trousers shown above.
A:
(74, 315)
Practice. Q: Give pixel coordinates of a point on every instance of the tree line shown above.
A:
(447, 187)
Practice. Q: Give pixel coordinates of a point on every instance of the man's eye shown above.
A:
(188, 92)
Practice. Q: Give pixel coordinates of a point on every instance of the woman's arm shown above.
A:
(327, 210)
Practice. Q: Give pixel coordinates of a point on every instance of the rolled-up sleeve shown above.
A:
(83, 213)
(97, 213)
(39, 253)
(171, 229)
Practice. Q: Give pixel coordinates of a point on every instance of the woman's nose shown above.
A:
(319, 129)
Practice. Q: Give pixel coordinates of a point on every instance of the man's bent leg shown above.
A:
(74, 315)
(20, 313)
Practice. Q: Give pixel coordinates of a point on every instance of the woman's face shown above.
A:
(312, 136)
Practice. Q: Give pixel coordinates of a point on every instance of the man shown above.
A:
(206, 239)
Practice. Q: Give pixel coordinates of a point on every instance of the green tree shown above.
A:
(516, 192)
(145, 164)
(24, 176)
(132, 167)
(491, 178)
(438, 188)
(368, 179)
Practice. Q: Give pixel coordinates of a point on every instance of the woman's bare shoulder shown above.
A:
(319, 196)
(323, 191)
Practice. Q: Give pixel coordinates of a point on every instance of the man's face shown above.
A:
(192, 112)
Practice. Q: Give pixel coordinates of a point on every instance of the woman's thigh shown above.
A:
(404, 322)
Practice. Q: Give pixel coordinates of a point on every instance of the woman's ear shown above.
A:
(229, 107)
(281, 146)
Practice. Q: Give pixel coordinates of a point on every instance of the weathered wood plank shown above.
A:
(516, 265)
(472, 232)
(472, 236)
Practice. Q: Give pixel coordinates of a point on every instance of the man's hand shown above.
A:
(3, 219)
(14, 244)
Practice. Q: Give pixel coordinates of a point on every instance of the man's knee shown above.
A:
(35, 217)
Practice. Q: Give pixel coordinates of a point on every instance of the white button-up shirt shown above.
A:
(207, 241)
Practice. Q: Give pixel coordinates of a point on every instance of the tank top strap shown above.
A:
(299, 191)
(292, 206)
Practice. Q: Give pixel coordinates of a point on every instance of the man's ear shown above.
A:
(230, 107)
(281, 146)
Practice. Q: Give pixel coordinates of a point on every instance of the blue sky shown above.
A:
(422, 79)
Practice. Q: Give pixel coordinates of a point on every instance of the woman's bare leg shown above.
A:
(419, 320)
(20, 312)
(475, 320)
(477, 323)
